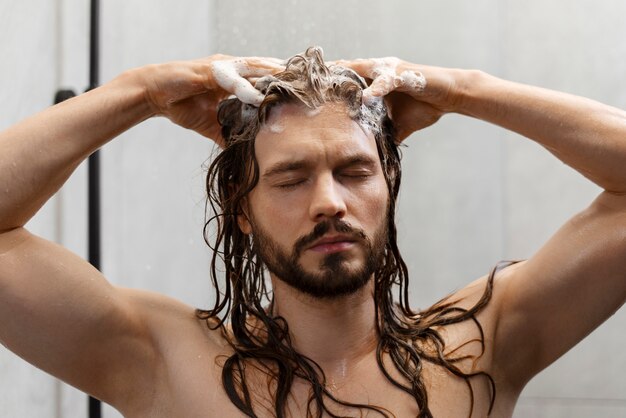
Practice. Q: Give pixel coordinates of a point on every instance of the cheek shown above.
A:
(379, 208)
(279, 212)
(276, 217)
(370, 203)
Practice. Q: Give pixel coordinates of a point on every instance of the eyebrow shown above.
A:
(295, 165)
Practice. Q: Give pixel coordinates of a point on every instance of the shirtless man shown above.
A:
(319, 216)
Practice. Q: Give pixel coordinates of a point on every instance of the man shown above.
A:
(306, 187)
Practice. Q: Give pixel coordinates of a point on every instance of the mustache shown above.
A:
(322, 228)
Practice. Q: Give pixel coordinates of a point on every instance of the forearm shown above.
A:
(586, 135)
(38, 154)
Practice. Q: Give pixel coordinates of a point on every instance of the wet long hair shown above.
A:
(261, 341)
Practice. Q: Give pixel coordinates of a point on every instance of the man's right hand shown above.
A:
(188, 92)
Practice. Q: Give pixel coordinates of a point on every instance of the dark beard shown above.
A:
(335, 278)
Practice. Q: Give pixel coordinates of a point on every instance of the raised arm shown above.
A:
(578, 278)
(57, 311)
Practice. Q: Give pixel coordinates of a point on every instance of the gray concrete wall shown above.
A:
(473, 193)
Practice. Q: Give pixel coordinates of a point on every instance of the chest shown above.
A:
(195, 390)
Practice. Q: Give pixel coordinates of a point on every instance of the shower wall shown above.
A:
(473, 193)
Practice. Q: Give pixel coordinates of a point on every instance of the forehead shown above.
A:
(327, 134)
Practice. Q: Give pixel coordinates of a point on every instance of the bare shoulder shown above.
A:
(482, 301)
(480, 304)
(68, 320)
(466, 323)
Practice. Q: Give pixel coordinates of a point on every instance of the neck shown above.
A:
(336, 333)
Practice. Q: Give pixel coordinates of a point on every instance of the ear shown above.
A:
(243, 220)
(244, 224)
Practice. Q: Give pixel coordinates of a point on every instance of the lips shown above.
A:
(333, 243)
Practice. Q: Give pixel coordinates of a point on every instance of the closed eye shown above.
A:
(356, 174)
(290, 185)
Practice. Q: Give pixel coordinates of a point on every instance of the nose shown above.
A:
(327, 200)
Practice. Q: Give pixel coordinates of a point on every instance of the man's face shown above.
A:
(318, 213)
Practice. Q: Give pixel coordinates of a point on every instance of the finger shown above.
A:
(412, 82)
(258, 67)
(247, 93)
(268, 60)
(362, 67)
(373, 67)
(253, 80)
(275, 61)
(229, 79)
(382, 85)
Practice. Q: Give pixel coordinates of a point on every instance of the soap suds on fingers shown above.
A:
(413, 80)
(229, 74)
(383, 72)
